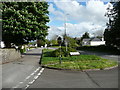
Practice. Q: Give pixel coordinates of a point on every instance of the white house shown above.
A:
(93, 41)
(2, 45)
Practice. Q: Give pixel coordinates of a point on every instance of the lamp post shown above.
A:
(66, 43)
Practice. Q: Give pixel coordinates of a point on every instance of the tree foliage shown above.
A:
(24, 21)
(71, 42)
(85, 35)
(112, 32)
(59, 40)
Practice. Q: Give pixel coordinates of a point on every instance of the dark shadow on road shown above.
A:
(34, 54)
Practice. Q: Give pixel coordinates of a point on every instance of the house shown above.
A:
(93, 41)
(2, 45)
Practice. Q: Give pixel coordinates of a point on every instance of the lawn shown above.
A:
(81, 62)
(55, 46)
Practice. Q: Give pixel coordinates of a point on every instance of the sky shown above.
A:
(78, 17)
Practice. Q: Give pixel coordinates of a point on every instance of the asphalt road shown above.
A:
(104, 55)
(76, 79)
(26, 73)
(15, 74)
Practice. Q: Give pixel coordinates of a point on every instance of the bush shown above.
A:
(101, 48)
(22, 50)
(63, 52)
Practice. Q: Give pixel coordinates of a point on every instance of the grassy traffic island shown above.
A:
(82, 62)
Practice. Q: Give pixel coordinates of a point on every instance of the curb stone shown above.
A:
(79, 69)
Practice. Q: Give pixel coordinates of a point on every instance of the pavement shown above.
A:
(18, 73)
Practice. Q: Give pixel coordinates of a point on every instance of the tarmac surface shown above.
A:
(76, 79)
(14, 74)
(102, 54)
(27, 73)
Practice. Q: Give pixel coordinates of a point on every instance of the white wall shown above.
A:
(85, 43)
(96, 43)
(2, 45)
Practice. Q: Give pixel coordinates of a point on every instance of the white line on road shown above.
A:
(21, 82)
(37, 69)
(16, 86)
(36, 77)
(27, 86)
(28, 78)
(31, 74)
(32, 82)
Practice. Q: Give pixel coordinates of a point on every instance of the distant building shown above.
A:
(93, 41)
(2, 45)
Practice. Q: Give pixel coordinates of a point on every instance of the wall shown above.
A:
(8, 55)
(85, 43)
(96, 43)
(2, 45)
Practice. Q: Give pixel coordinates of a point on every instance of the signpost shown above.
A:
(60, 42)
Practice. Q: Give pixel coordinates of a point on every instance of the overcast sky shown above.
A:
(80, 17)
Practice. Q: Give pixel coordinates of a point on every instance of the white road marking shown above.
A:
(16, 86)
(27, 86)
(39, 74)
(32, 82)
(21, 82)
(32, 74)
(42, 70)
(28, 77)
(37, 69)
(36, 77)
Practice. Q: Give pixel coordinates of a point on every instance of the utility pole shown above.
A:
(65, 39)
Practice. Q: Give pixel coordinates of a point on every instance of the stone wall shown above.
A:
(8, 55)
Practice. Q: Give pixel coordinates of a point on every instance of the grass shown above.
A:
(81, 62)
(55, 46)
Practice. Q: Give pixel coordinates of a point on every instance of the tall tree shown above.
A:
(85, 35)
(59, 40)
(24, 21)
(112, 32)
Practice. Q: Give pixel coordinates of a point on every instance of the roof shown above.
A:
(95, 39)
(92, 39)
(86, 39)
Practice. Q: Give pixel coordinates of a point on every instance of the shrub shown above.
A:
(64, 53)
(23, 50)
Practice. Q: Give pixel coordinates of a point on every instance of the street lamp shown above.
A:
(66, 43)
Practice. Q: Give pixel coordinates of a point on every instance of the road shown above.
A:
(101, 54)
(26, 73)
(17, 74)
(77, 79)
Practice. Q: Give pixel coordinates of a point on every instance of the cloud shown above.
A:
(89, 18)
